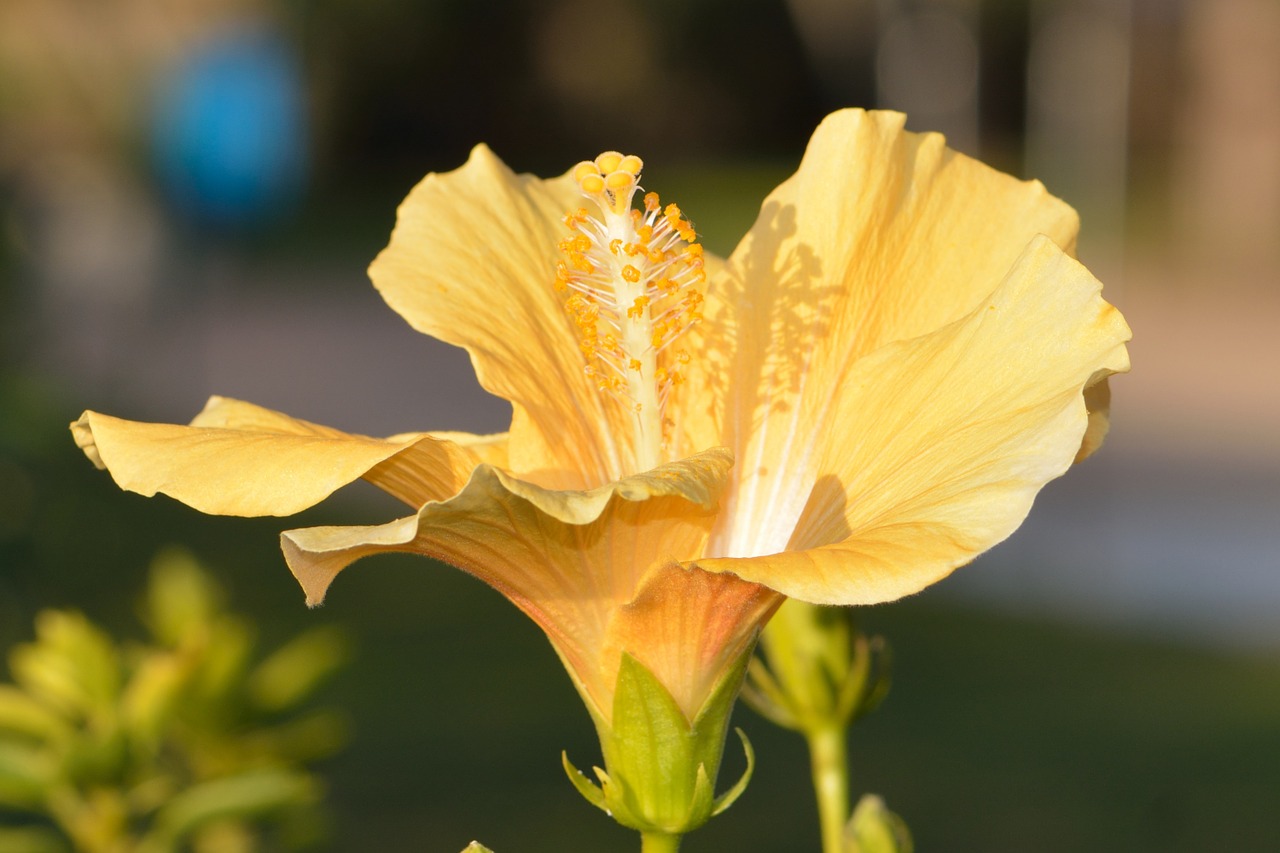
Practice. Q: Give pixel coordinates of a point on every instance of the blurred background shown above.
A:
(189, 194)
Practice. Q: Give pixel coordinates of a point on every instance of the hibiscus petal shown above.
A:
(688, 626)
(240, 459)
(880, 236)
(935, 448)
(472, 262)
(567, 559)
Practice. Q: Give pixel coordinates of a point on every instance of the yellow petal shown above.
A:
(880, 236)
(932, 449)
(1097, 398)
(472, 262)
(567, 559)
(240, 459)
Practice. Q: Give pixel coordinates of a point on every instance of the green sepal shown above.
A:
(766, 697)
(730, 796)
(661, 769)
(652, 756)
(864, 690)
(817, 670)
(590, 792)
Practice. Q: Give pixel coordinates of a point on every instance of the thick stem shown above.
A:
(829, 761)
(659, 842)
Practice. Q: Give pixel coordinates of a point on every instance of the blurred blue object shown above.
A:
(229, 131)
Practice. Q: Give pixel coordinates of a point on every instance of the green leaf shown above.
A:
(291, 673)
(32, 839)
(315, 735)
(72, 666)
(23, 716)
(152, 693)
(26, 773)
(248, 795)
(181, 598)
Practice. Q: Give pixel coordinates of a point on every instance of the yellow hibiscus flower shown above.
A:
(865, 395)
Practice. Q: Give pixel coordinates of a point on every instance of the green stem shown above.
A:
(659, 842)
(830, 764)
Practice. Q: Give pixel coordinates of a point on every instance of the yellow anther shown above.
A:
(631, 163)
(636, 311)
(683, 356)
(651, 202)
(634, 364)
(630, 273)
(645, 233)
(619, 181)
(660, 375)
(614, 245)
(608, 161)
(693, 250)
(656, 256)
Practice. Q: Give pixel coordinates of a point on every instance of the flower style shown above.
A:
(865, 395)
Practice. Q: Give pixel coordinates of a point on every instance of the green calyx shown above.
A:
(661, 769)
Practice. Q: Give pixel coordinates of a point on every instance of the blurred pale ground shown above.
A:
(1159, 120)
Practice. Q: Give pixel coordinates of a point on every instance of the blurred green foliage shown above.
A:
(186, 741)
